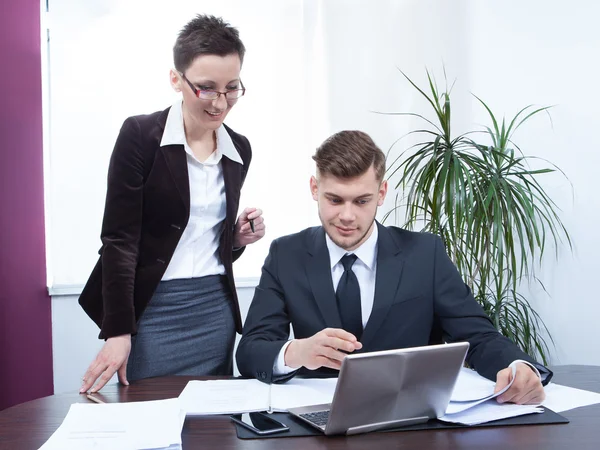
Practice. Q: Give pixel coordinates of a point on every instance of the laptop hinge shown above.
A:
(385, 425)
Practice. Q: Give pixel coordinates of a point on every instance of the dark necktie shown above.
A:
(348, 298)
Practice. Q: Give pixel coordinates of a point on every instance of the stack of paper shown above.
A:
(489, 411)
(240, 396)
(473, 401)
(120, 426)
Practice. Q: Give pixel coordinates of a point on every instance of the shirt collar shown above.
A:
(367, 252)
(174, 134)
(225, 145)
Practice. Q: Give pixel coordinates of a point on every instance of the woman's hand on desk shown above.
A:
(112, 358)
(244, 233)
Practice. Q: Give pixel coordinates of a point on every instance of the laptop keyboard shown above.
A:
(318, 418)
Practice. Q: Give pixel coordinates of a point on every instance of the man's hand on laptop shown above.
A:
(324, 349)
(526, 389)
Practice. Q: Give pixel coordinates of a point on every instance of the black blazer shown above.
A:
(420, 299)
(147, 208)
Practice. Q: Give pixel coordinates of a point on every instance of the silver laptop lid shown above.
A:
(394, 387)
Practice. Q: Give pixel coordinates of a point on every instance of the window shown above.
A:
(108, 60)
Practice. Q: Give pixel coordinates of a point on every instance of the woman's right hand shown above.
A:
(112, 358)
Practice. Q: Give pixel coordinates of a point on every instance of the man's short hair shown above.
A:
(206, 35)
(349, 154)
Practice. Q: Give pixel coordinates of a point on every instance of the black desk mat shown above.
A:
(299, 428)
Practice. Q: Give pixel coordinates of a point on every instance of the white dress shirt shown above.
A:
(196, 254)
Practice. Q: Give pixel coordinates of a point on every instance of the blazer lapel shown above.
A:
(318, 269)
(232, 175)
(176, 160)
(389, 271)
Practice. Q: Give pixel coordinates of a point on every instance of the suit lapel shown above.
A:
(232, 175)
(318, 269)
(389, 271)
(176, 160)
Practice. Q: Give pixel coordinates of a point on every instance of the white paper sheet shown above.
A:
(300, 392)
(239, 396)
(479, 388)
(489, 411)
(562, 398)
(120, 426)
(224, 397)
(471, 386)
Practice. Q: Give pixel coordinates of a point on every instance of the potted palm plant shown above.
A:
(487, 204)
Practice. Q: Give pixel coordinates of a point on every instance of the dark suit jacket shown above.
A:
(420, 299)
(147, 208)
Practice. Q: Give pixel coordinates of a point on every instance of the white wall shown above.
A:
(546, 53)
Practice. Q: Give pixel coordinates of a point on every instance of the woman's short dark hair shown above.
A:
(206, 35)
(349, 154)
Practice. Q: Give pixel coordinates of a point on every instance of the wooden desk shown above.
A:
(27, 426)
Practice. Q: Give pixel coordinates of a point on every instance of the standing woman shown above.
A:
(163, 292)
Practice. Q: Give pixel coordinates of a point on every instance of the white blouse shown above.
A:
(197, 253)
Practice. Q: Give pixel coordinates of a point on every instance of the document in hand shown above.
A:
(120, 426)
(473, 401)
(240, 396)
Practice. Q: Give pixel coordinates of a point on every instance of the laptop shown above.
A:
(389, 389)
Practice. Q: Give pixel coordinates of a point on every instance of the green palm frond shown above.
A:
(486, 203)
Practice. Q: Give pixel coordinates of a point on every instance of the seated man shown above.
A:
(355, 285)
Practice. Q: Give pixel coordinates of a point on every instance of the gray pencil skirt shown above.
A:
(187, 329)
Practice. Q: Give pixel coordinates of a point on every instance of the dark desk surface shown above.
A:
(29, 425)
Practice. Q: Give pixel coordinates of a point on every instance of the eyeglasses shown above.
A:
(212, 94)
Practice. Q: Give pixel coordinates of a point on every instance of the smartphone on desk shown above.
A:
(260, 423)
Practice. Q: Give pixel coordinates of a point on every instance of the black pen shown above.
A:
(252, 225)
